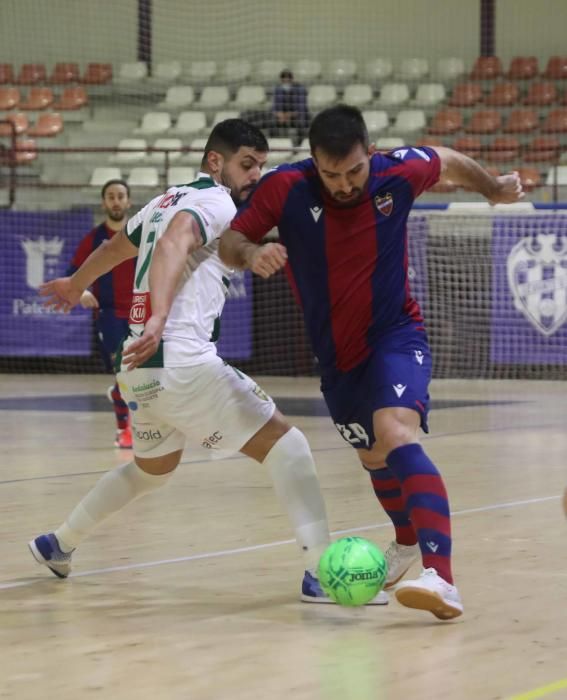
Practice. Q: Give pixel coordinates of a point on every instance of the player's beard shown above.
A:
(116, 216)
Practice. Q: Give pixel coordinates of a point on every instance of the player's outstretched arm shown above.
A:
(467, 173)
(235, 250)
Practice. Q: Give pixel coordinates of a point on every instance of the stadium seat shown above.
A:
(469, 145)
(180, 175)
(224, 114)
(446, 121)
(169, 144)
(409, 121)
(6, 73)
(166, 72)
(319, 96)
(465, 95)
(26, 151)
(556, 68)
(486, 68)
(542, 149)
(202, 72)
(133, 72)
(97, 74)
(523, 68)
(9, 98)
(31, 74)
(413, 69)
(18, 119)
(376, 120)
(178, 97)
(154, 123)
(358, 94)
(557, 176)
(47, 125)
(450, 68)
(541, 94)
(529, 177)
(377, 70)
(281, 151)
(341, 70)
(100, 176)
(143, 177)
(195, 156)
(485, 121)
(189, 123)
(306, 70)
(134, 151)
(503, 94)
(393, 95)
(71, 98)
(38, 98)
(429, 95)
(268, 71)
(236, 71)
(502, 149)
(213, 97)
(64, 73)
(521, 121)
(389, 143)
(555, 122)
(250, 96)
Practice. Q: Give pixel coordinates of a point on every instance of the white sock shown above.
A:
(297, 487)
(115, 490)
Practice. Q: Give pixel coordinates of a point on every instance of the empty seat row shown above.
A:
(62, 74)
(39, 98)
(47, 124)
(506, 93)
(487, 121)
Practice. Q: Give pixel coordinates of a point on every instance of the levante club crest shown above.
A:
(384, 203)
(537, 276)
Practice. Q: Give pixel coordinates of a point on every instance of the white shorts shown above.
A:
(211, 408)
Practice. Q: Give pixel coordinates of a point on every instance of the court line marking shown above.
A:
(542, 691)
(259, 547)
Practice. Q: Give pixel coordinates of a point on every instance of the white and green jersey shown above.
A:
(193, 321)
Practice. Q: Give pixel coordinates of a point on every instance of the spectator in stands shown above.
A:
(290, 114)
(111, 295)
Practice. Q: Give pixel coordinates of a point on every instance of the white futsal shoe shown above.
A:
(431, 592)
(399, 558)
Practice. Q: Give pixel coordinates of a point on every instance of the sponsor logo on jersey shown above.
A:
(537, 277)
(211, 442)
(141, 309)
(384, 203)
(170, 200)
(316, 213)
(399, 389)
(260, 393)
(419, 356)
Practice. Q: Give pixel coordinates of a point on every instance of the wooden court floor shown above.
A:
(193, 592)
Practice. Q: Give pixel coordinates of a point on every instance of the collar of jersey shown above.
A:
(205, 176)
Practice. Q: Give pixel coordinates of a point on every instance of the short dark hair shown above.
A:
(336, 130)
(116, 181)
(286, 73)
(231, 134)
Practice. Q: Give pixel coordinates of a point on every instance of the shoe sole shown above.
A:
(328, 601)
(40, 559)
(421, 599)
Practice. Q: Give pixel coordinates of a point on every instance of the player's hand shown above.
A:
(509, 189)
(142, 349)
(60, 294)
(88, 300)
(268, 259)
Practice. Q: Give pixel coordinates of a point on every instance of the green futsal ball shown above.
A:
(352, 571)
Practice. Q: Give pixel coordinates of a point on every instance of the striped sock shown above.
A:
(426, 501)
(120, 408)
(388, 491)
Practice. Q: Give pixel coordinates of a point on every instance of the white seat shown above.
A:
(172, 145)
(236, 71)
(143, 177)
(306, 70)
(268, 71)
(409, 120)
(180, 175)
(132, 72)
(378, 69)
(154, 123)
(358, 94)
(177, 97)
(100, 176)
(224, 114)
(561, 176)
(195, 156)
(450, 68)
(302, 151)
(319, 96)
(250, 96)
(393, 94)
(135, 151)
(429, 94)
(375, 120)
(389, 143)
(213, 97)
(202, 72)
(281, 151)
(413, 69)
(341, 70)
(166, 71)
(190, 123)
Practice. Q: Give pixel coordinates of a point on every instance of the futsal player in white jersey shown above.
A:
(180, 393)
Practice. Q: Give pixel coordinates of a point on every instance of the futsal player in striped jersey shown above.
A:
(342, 217)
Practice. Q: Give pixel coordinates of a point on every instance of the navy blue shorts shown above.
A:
(111, 331)
(397, 373)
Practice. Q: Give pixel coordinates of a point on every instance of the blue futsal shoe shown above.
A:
(311, 592)
(46, 551)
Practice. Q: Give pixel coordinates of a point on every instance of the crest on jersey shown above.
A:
(384, 203)
(537, 277)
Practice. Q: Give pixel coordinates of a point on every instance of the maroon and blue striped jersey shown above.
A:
(348, 265)
(112, 290)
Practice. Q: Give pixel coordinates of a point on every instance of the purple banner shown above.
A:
(37, 247)
(235, 342)
(529, 290)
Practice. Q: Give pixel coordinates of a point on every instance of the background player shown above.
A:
(342, 221)
(179, 390)
(111, 295)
